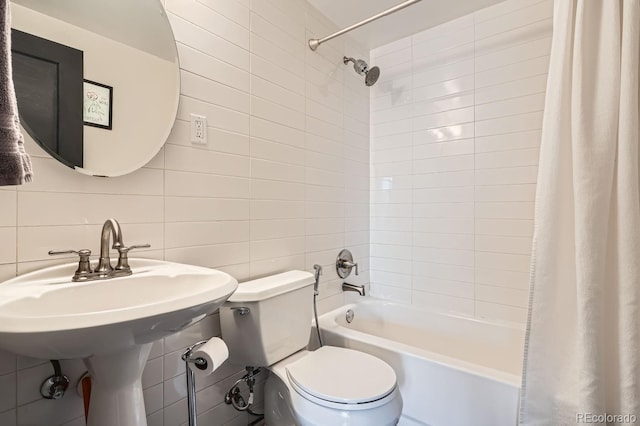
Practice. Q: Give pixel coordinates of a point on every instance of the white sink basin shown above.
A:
(109, 323)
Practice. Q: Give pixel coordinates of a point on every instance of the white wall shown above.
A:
(455, 127)
(282, 184)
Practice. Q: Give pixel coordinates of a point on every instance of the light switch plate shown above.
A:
(198, 129)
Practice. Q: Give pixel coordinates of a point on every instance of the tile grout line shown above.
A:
(475, 290)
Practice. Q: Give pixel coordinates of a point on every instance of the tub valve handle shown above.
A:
(344, 264)
(347, 264)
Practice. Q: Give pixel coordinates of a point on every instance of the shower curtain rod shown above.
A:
(315, 42)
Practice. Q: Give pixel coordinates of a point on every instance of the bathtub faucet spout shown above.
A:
(358, 288)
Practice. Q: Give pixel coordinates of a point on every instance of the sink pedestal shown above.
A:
(116, 387)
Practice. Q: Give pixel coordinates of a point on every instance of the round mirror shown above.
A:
(97, 82)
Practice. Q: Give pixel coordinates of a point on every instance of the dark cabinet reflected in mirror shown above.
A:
(48, 81)
(128, 71)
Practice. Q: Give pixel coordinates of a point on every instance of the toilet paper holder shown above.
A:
(201, 364)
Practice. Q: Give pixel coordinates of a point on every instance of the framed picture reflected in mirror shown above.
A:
(97, 102)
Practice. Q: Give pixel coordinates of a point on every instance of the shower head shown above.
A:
(362, 68)
(372, 76)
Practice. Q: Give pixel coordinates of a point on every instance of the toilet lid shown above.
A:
(342, 375)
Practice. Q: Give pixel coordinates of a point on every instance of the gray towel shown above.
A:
(15, 164)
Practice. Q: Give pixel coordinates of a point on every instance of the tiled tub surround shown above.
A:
(282, 184)
(455, 129)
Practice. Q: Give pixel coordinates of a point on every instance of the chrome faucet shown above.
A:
(358, 288)
(110, 227)
(104, 270)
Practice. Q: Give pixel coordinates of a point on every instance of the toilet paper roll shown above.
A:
(214, 352)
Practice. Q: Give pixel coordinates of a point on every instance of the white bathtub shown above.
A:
(452, 370)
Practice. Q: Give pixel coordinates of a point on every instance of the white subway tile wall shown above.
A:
(283, 183)
(455, 130)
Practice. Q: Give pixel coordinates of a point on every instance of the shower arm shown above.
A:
(315, 42)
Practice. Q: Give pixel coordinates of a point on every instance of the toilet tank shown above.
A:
(277, 322)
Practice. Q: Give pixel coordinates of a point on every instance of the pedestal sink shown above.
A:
(110, 324)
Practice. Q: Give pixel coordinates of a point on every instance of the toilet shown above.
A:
(266, 323)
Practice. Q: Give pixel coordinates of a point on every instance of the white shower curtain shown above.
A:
(582, 354)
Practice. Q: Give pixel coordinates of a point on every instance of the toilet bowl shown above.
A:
(332, 386)
(267, 322)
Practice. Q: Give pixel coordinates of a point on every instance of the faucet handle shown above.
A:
(84, 264)
(123, 256)
(137, 246)
(344, 263)
(348, 264)
(81, 252)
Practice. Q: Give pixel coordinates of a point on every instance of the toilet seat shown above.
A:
(342, 378)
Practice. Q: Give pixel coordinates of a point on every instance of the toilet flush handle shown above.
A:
(241, 310)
